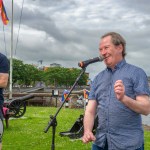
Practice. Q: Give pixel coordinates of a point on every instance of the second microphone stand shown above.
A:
(53, 120)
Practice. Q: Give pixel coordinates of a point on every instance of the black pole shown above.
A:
(56, 101)
(53, 131)
(53, 120)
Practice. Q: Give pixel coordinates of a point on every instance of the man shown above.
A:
(4, 74)
(119, 95)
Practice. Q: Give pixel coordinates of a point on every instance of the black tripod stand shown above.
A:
(53, 120)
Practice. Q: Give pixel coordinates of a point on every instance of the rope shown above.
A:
(19, 27)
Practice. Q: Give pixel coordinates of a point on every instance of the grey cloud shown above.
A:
(66, 32)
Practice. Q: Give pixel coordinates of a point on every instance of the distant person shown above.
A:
(119, 95)
(4, 75)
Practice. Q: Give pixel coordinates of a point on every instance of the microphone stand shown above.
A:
(53, 120)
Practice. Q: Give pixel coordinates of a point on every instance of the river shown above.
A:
(146, 120)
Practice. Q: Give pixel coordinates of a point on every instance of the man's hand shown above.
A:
(88, 137)
(119, 89)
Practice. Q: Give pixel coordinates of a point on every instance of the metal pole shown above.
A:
(11, 57)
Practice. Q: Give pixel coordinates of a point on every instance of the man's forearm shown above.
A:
(141, 105)
(88, 122)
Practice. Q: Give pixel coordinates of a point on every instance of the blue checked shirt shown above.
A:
(121, 126)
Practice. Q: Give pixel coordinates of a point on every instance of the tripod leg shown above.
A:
(54, 124)
(53, 140)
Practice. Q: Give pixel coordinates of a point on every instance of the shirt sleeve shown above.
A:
(141, 86)
(4, 64)
(92, 91)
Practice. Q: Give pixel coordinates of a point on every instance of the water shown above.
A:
(146, 120)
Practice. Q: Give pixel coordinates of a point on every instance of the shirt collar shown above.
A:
(119, 65)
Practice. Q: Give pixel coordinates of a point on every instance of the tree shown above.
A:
(63, 76)
(18, 71)
(27, 74)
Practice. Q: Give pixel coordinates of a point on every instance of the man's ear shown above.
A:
(120, 49)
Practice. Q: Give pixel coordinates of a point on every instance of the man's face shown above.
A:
(112, 54)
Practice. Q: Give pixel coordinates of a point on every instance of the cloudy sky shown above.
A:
(68, 31)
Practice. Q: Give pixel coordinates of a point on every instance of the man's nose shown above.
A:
(103, 52)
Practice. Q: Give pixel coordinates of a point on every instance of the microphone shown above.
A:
(85, 63)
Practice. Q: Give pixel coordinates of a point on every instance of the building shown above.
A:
(55, 65)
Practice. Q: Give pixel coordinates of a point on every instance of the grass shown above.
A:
(27, 133)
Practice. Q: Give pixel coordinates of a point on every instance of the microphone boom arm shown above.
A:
(53, 121)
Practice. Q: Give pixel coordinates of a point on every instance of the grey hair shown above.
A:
(117, 39)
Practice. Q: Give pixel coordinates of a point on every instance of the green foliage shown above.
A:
(26, 74)
(18, 71)
(30, 74)
(64, 76)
